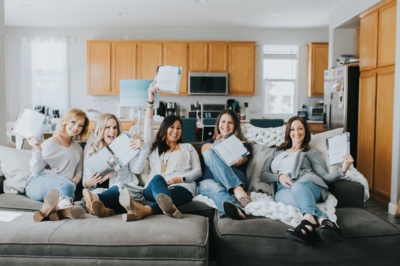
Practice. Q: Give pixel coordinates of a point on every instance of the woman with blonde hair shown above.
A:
(56, 167)
(102, 193)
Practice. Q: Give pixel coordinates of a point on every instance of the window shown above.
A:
(44, 73)
(280, 80)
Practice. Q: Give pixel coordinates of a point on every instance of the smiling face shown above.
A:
(297, 132)
(75, 127)
(174, 132)
(226, 124)
(110, 131)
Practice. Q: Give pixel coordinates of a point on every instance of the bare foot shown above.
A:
(239, 192)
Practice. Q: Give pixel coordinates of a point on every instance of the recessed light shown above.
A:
(123, 14)
(200, 1)
(277, 15)
(24, 5)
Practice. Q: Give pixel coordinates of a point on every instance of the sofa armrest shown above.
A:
(348, 194)
(2, 178)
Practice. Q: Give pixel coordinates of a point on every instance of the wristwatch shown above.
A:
(183, 179)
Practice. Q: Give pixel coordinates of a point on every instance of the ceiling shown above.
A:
(169, 13)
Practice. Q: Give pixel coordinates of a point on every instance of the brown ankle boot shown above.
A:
(100, 210)
(135, 210)
(167, 206)
(89, 198)
(49, 206)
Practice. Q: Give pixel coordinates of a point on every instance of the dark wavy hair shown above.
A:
(236, 124)
(161, 137)
(288, 141)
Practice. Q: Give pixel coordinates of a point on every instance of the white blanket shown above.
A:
(263, 204)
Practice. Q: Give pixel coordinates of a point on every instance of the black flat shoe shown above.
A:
(330, 232)
(232, 211)
(309, 239)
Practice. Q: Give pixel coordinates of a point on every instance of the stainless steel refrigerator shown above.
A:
(341, 102)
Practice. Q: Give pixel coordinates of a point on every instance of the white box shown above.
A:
(253, 113)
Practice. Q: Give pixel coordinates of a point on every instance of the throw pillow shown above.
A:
(318, 142)
(15, 166)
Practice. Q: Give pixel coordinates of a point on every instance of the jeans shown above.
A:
(303, 194)
(110, 199)
(225, 179)
(41, 184)
(157, 185)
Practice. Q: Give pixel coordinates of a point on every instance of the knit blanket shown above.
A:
(263, 205)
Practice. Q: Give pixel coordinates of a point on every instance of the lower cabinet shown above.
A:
(375, 130)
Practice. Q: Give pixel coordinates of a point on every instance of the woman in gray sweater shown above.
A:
(303, 181)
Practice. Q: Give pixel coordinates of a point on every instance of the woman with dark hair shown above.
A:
(174, 166)
(220, 181)
(303, 181)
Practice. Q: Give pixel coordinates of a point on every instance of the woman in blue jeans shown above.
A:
(303, 181)
(102, 191)
(56, 167)
(221, 181)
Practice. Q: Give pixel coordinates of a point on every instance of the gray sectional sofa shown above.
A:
(201, 236)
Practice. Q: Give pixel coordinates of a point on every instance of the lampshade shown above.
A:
(133, 93)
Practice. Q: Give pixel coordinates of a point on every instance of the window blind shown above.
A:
(280, 51)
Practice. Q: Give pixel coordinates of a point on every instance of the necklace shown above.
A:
(164, 163)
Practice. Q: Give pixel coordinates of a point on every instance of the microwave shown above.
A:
(316, 113)
(206, 83)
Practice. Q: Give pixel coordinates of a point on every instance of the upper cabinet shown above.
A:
(387, 35)
(317, 63)
(369, 41)
(241, 69)
(123, 63)
(111, 61)
(150, 57)
(378, 36)
(176, 54)
(99, 68)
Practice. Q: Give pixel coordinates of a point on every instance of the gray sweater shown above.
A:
(308, 164)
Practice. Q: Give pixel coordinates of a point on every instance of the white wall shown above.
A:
(77, 58)
(2, 77)
(395, 189)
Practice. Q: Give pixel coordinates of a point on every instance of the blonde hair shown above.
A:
(98, 131)
(73, 115)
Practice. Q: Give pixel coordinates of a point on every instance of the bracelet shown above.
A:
(150, 105)
(150, 102)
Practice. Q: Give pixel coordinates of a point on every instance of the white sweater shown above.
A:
(57, 159)
(191, 171)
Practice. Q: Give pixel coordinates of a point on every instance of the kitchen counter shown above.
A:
(308, 121)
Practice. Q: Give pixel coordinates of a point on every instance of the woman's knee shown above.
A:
(209, 155)
(158, 179)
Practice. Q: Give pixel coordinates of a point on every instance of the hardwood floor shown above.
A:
(380, 209)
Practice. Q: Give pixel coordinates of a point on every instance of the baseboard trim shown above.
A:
(392, 208)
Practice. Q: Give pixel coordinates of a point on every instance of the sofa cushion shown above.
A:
(12, 202)
(159, 237)
(370, 241)
(15, 166)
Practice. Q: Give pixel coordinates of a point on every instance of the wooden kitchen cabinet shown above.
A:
(316, 128)
(218, 60)
(357, 55)
(369, 41)
(384, 131)
(366, 125)
(317, 63)
(99, 68)
(149, 58)
(110, 61)
(198, 57)
(123, 63)
(175, 54)
(241, 69)
(387, 35)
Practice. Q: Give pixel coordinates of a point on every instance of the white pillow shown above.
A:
(15, 166)
(318, 142)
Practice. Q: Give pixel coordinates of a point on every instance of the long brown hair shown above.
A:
(161, 137)
(288, 141)
(236, 124)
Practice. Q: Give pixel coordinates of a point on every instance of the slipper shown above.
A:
(232, 211)
(309, 239)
